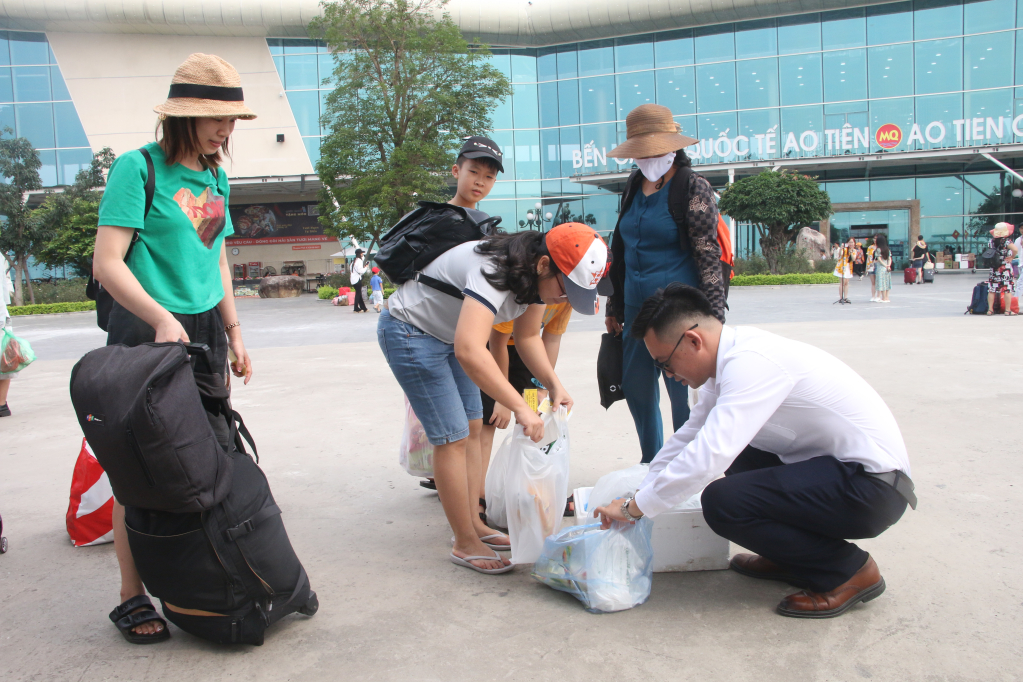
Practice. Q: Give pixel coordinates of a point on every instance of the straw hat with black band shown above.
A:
(205, 86)
(650, 131)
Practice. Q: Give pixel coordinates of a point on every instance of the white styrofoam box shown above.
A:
(681, 539)
(939, 266)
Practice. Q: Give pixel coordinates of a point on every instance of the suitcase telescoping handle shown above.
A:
(201, 350)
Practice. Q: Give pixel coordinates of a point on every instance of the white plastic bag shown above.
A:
(416, 454)
(497, 471)
(607, 570)
(616, 484)
(536, 486)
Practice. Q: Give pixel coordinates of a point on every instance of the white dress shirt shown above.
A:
(781, 396)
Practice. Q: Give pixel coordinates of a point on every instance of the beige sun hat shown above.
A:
(205, 85)
(650, 131)
(1002, 230)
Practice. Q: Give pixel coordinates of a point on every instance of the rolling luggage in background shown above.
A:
(234, 559)
(929, 275)
(909, 276)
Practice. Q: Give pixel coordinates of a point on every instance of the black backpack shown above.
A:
(423, 235)
(978, 302)
(150, 421)
(234, 559)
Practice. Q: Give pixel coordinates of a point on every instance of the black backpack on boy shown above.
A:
(423, 235)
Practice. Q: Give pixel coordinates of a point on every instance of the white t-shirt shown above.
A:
(435, 312)
(6, 288)
(358, 270)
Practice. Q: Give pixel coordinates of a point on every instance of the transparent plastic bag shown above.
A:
(15, 353)
(497, 472)
(536, 486)
(616, 484)
(607, 570)
(416, 453)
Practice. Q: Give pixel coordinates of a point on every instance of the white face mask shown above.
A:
(654, 168)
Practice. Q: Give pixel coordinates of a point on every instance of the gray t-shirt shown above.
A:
(435, 312)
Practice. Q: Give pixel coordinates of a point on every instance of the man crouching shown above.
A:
(811, 454)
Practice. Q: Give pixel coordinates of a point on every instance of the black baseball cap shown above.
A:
(477, 147)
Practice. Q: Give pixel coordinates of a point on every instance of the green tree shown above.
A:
(778, 204)
(67, 220)
(408, 88)
(19, 168)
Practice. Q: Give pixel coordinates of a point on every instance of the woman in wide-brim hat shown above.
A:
(160, 253)
(666, 232)
(1001, 280)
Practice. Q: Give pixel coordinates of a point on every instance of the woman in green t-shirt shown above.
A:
(173, 283)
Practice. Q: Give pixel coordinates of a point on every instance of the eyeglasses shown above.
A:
(663, 366)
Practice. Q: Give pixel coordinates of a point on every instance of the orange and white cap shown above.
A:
(584, 259)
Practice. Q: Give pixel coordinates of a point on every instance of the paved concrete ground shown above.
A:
(375, 544)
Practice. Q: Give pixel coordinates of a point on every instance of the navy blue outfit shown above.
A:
(653, 259)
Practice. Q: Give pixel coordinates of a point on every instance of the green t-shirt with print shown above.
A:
(177, 256)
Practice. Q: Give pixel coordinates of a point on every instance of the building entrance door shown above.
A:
(862, 225)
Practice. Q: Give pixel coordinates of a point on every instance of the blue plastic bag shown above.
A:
(607, 570)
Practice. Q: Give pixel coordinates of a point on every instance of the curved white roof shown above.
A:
(497, 22)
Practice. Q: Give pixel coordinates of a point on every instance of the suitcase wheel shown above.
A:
(312, 605)
(3, 545)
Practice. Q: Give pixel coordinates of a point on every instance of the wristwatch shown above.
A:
(625, 509)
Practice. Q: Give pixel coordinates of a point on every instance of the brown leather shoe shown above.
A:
(756, 566)
(865, 585)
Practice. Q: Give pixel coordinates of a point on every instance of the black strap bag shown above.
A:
(153, 423)
(609, 369)
(423, 235)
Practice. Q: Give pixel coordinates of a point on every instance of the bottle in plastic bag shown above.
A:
(416, 453)
(15, 353)
(536, 486)
(607, 570)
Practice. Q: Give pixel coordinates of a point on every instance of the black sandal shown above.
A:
(428, 484)
(126, 621)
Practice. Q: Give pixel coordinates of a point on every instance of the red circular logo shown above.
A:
(888, 136)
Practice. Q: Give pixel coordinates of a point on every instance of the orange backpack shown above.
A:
(725, 240)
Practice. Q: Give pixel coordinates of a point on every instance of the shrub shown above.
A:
(59, 291)
(326, 293)
(761, 280)
(49, 308)
(388, 291)
(337, 280)
(790, 261)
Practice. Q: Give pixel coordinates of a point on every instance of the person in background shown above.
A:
(920, 256)
(1001, 281)
(1018, 243)
(358, 270)
(376, 286)
(871, 255)
(6, 290)
(882, 269)
(653, 245)
(859, 261)
(843, 269)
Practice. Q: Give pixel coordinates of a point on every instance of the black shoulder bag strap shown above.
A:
(678, 204)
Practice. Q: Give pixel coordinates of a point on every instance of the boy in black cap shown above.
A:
(475, 170)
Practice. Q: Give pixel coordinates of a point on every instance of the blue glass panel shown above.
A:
(1019, 55)
(505, 140)
(68, 126)
(756, 39)
(299, 46)
(937, 18)
(940, 195)
(598, 99)
(524, 105)
(899, 189)
(70, 162)
(978, 188)
(547, 64)
(604, 209)
(844, 28)
(635, 89)
(570, 143)
(7, 86)
(715, 132)
(800, 79)
(568, 102)
(934, 115)
(890, 23)
(757, 125)
(845, 75)
(845, 107)
(57, 84)
(548, 104)
(715, 87)
(848, 192)
(502, 116)
(596, 58)
(279, 63)
(29, 48)
(301, 72)
(312, 148)
(7, 119)
(634, 54)
(305, 105)
(687, 124)
(502, 189)
(986, 60)
(276, 45)
(801, 33)
(523, 66)
(31, 83)
(527, 154)
(714, 43)
(321, 46)
(890, 70)
(599, 140)
(48, 171)
(757, 83)
(676, 89)
(326, 66)
(568, 62)
(35, 123)
(324, 94)
(989, 116)
(5, 50)
(674, 48)
(898, 111)
(981, 16)
(939, 66)
(501, 61)
(802, 132)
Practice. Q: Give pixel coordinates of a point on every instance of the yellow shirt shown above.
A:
(555, 321)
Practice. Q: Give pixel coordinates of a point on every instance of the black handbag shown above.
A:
(609, 369)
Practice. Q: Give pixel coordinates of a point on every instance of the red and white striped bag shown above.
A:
(92, 501)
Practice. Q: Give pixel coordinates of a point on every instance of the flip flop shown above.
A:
(459, 561)
(126, 621)
(428, 484)
(499, 548)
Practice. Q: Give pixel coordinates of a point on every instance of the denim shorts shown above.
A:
(440, 392)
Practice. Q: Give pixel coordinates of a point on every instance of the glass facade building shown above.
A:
(903, 77)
